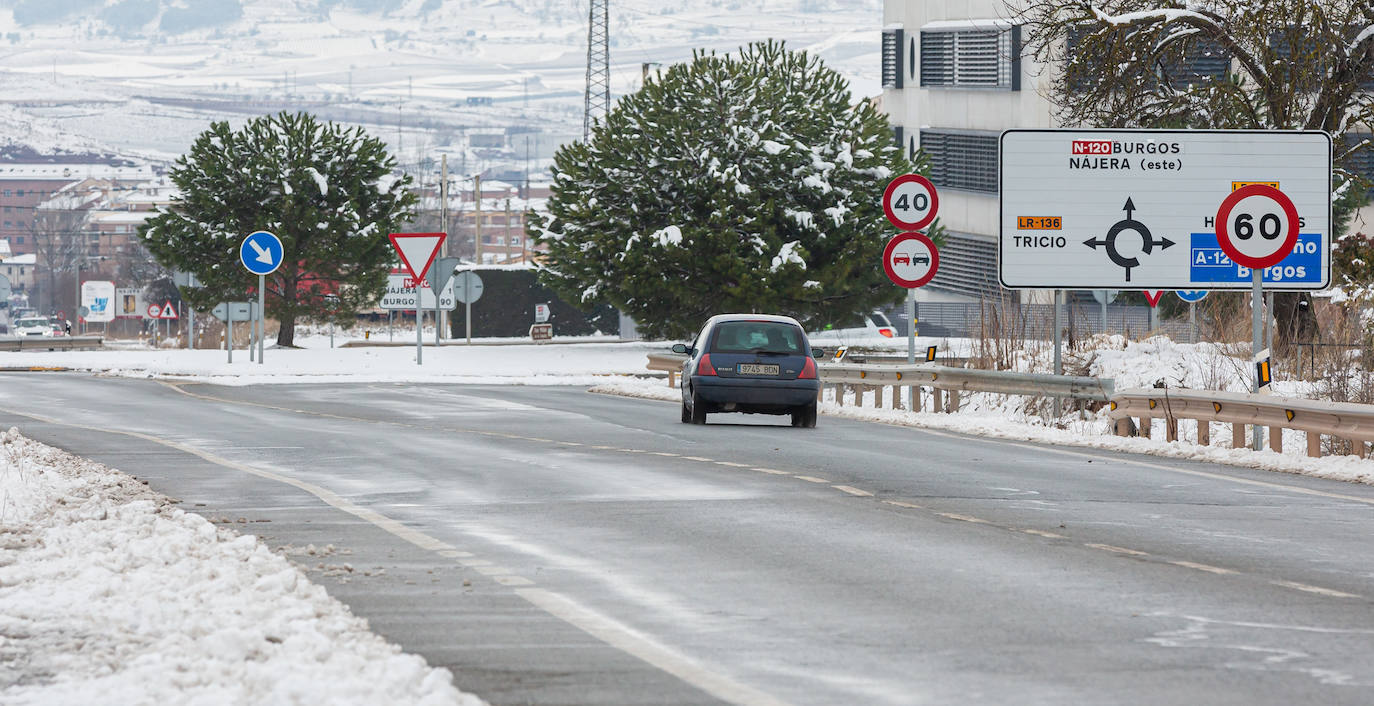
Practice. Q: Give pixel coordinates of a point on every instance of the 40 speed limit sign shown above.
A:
(910, 202)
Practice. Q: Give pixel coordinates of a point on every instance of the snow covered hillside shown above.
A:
(143, 76)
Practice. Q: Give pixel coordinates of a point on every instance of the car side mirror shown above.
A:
(680, 348)
(817, 352)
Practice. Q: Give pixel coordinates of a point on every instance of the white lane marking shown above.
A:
(899, 503)
(732, 464)
(1116, 550)
(512, 580)
(454, 554)
(853, 491)
(631, 641)
(698, 458)
(963, 518)
(613, 634)
(493, 570)
(1048, 448)
(769, 471)
(1042, 533)
(811, 479)
(1314, 589)
(1200, 567)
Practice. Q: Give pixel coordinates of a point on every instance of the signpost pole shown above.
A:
(252, 333)
(419, 333)
(1256, 305)
(434, 279)
(911, 390)
(262, 316)
(1104, 311)
(467, 311)
(390, 326)
(1058, 346)
(229, 337)
(1192, 320)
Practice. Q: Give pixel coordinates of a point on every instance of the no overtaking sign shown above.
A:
(1138, 209)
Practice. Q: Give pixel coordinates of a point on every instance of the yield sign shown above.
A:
(417, 251)
(168, 311)
(1153, 295)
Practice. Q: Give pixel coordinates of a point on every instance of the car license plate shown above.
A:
(756, 369)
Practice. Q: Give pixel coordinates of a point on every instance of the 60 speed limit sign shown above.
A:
(910, 202)
(1257, 226)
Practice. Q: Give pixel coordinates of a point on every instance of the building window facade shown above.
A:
(892, 58)
(978, 55)
(965, 160)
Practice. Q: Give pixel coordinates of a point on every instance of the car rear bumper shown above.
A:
(755, 395)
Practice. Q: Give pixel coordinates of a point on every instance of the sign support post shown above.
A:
(1058, 348)
(229, 337)
(262, 316)
(1256, 321)
(1192, 320)
(911, 390)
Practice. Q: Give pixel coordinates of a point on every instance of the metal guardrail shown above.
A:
(54, 343)
(940, 378)
(1353, 422)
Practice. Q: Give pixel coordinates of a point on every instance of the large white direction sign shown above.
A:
(400, 294)
(1136, 209)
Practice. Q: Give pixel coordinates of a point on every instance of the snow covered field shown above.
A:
(524, 364)
(113, 595)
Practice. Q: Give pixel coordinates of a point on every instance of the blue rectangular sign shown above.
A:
(1210, 264)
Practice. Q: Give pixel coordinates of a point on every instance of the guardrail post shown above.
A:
(1204, 432)
(1123, 427)
(1359, 447)
(1238, 435)
(936, 398)
(917, 398)
(1171, 428)
(1276, 439)
(1145, 424)
(877, 396)
(1314, 444)
(839, 394)
(895, 397)
(672, 379)
(952, 405)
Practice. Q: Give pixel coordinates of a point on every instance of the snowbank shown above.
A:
(112, 594)
(523, 364)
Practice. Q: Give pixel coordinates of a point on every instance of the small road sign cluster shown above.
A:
(910, 259)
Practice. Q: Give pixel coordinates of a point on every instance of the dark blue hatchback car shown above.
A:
(751, 363)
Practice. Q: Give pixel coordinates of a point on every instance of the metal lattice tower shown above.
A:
(598, 97)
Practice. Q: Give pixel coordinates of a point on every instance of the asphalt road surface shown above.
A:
(552, 546)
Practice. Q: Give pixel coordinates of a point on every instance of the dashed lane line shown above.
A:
(613, 633)
(850, 490)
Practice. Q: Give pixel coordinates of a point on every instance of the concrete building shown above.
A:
(24, 186)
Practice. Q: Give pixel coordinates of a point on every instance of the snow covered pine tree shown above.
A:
(746, 182)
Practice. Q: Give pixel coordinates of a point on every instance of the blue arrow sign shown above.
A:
(261, 253)
(1191, 295)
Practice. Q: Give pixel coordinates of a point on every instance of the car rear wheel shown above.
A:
(805, 416)
(698, 410)
(686, 413)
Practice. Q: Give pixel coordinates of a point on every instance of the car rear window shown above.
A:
(745, 336)
(879, 319)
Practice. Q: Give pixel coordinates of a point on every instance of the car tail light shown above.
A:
(886, 332)
(808, 369)
(704, 367)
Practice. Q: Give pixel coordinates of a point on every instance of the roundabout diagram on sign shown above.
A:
(1148, 243)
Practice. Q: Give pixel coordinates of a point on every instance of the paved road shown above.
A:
(552, 546)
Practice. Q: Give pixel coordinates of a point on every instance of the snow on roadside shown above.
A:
(1000, 421)
(524, 364)
(112, 594)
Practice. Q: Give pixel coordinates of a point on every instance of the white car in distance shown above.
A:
(32, 326)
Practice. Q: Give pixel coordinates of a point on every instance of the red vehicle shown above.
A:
(901, 259)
